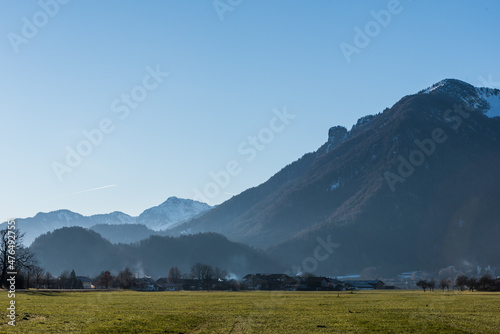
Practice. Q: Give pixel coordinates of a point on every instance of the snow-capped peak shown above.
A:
(171, 212)
(434, 87)
(485, 100)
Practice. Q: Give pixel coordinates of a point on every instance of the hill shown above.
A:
(124, 233)
(88, 253)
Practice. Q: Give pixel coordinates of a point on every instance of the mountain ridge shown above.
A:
(171, 212)
(340, 189)
(411, 187)
(88, 253)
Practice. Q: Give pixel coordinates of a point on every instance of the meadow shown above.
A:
(254, 312)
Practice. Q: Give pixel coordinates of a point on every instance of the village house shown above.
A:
(265, 281)
(165, 285)
(364, 285)
(87, 282)
(146, 283)
(320, 284)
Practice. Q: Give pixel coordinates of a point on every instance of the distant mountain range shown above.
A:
(170, 213)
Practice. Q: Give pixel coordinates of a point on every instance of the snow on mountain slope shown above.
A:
(59, 218)
(492, 97)
(171, 212)
(113, 218)
(486, 100)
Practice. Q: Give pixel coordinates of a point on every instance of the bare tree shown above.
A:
(105, 279)
(486, 283)
(174, 275)
(424, 284)
(431, 284)
(203, 272)
(38, 273)
(13, 255)
(63, 279)
(445, 283)
(461, 282)
(471, 283)
(220, 274)
(125, 279)
(48, 280)
(196, 270)
(29, 276)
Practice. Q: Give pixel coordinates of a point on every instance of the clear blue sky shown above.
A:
(225, 79)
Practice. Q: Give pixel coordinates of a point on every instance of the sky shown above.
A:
(118, 105)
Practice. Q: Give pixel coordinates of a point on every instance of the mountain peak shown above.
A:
(172, 199)
(172, 212)
(486, 100)
(62, 214)
(450, 85)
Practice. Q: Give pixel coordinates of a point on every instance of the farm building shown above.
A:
(364, 285)
(87, 282)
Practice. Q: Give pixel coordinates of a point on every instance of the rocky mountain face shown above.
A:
(414, 186)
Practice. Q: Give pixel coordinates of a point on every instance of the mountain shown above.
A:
(172, 212)
(413, 187)
(484, 100)
(76, 248)
(113, 218)
(123, 233)
(88, 253)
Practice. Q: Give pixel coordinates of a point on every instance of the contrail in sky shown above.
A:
(84, 191)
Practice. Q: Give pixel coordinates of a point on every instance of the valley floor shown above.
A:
(253, 312)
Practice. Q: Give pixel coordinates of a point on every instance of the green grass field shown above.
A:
(254, 312)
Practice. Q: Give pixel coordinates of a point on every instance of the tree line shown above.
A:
(204, 274)
(462, 283)
(29, 274)
(200, 276)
